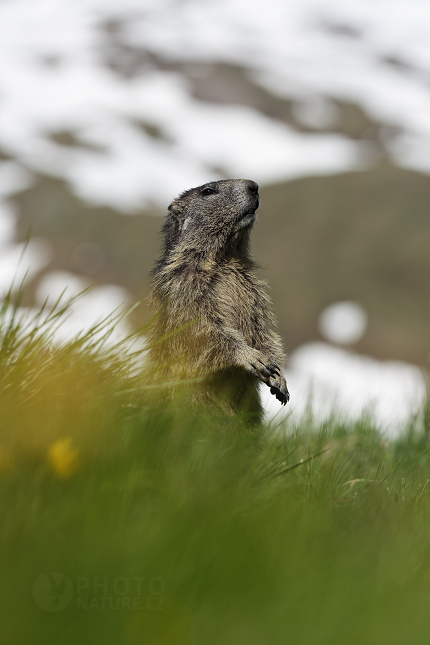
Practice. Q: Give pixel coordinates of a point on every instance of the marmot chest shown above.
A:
(239, 299)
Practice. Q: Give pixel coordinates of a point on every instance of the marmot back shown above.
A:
(215, 318)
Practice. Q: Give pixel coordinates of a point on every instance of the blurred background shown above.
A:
(110, 108)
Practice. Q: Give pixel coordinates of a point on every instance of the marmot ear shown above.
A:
(177, 208)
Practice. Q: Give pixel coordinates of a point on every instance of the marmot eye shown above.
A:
(208, 191)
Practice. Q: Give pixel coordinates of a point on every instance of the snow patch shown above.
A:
(343, 322)
(326, 380)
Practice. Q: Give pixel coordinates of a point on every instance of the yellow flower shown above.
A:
(63, 457)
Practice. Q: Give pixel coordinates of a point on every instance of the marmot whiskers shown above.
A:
(203, 284)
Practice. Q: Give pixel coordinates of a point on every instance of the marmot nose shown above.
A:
(252, 187)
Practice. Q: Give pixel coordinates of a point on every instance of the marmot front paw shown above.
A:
(268, 372)
(280, 390)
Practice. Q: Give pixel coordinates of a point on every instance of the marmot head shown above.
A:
(212, 217)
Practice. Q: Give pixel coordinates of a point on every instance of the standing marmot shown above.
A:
(214, 315)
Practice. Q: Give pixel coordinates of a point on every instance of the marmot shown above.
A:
(215, 319)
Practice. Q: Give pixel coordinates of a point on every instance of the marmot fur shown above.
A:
(215, 318)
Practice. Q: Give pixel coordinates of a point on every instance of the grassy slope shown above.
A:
(98, 482)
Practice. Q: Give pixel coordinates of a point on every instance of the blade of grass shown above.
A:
(348, 458)
(301, 463)
(391, 469)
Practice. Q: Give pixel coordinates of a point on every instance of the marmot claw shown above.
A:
(282, 395)
(269, 372)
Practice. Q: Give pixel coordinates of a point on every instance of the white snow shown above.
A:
(89, 309)
(53, 77)
(326, 380)
(343, 322)
(21, 261)
(55, 284)
(13, 178)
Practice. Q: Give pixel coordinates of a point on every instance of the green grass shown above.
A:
(176, 526)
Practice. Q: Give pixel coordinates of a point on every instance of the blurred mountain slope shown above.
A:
(360, 235)
(127, 244)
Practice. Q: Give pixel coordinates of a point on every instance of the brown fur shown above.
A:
(203, 280)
